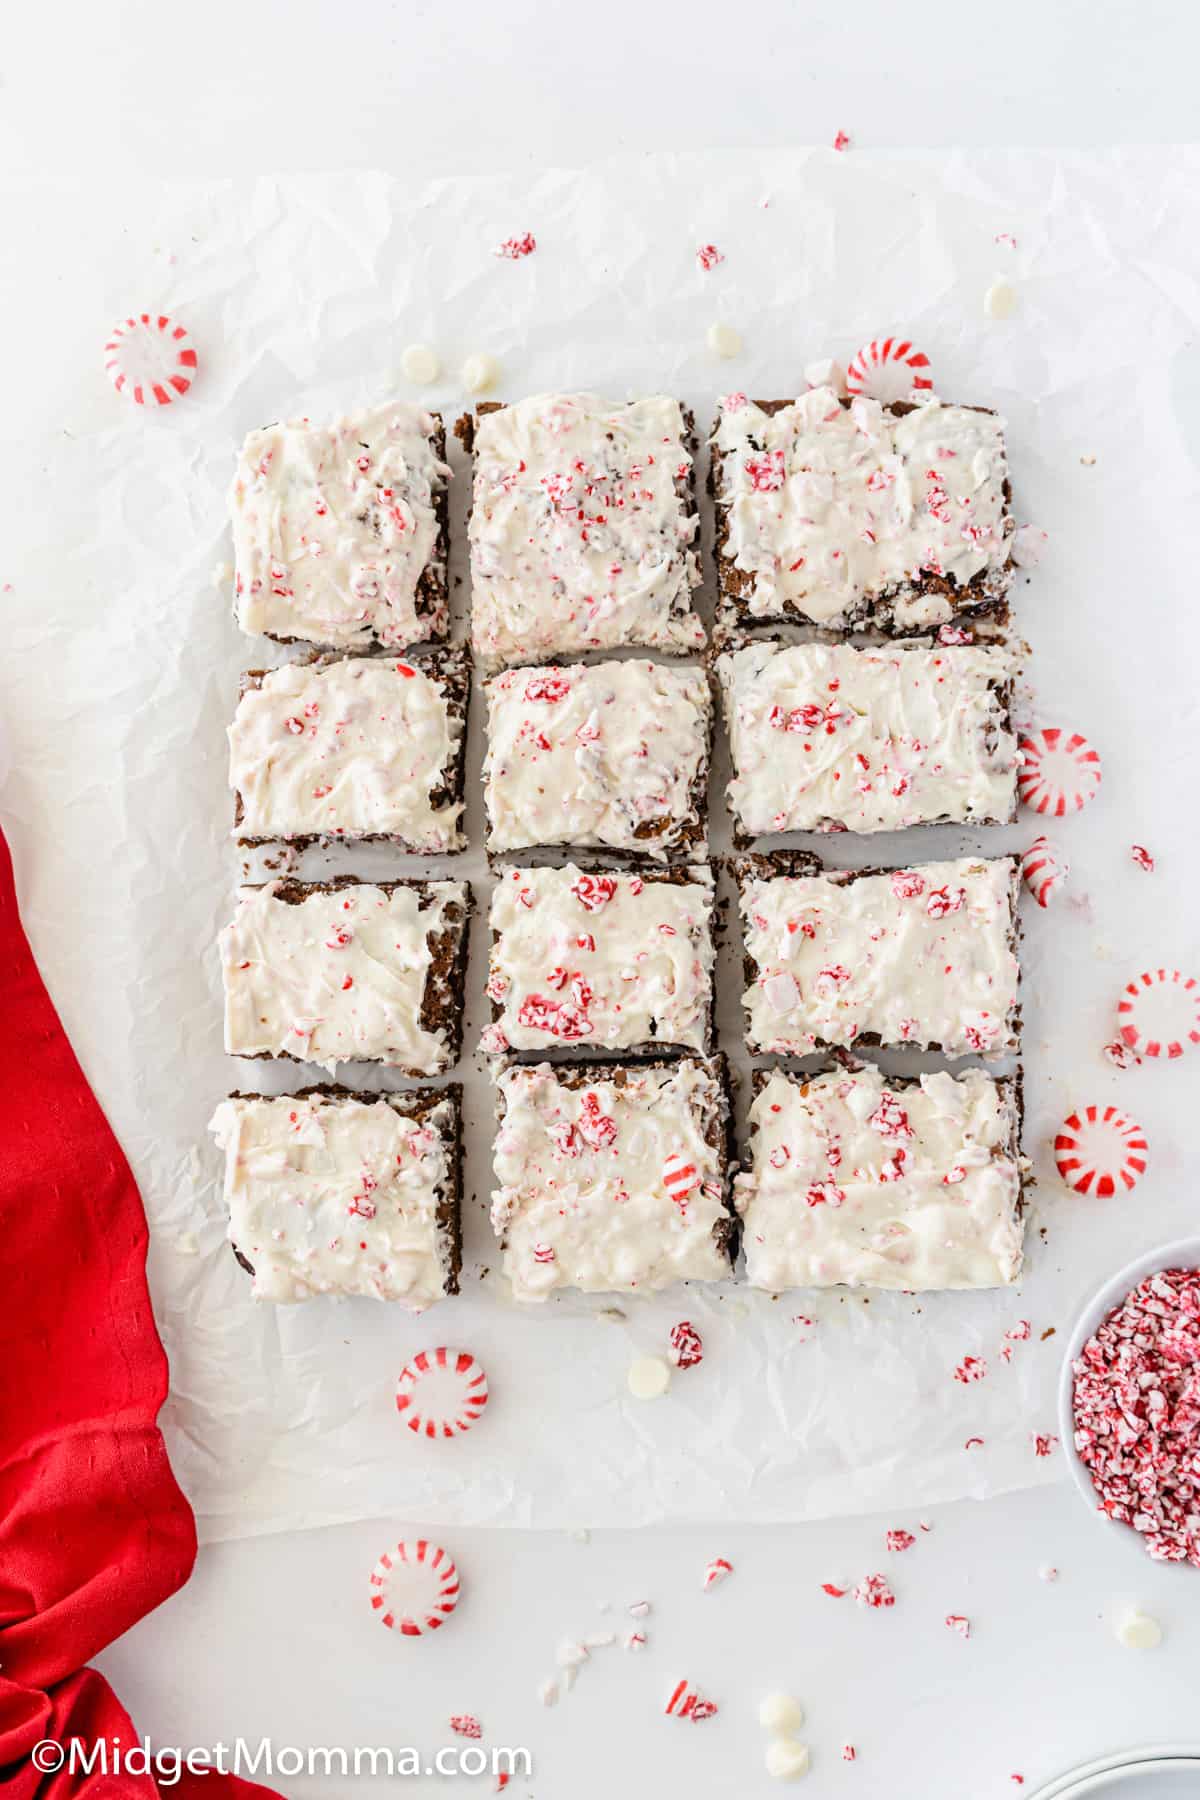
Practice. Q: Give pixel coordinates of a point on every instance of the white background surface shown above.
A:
(274, 1636)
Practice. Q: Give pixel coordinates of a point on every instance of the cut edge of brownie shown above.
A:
(431, 597)
(985, 596)
(689, 842)
(768, 865)
(1002, 686)
(688, 492)
(417, 1105)
(1011, 1087)
(678, 875)
(445, 981)
(718, 1119)
(449, 664)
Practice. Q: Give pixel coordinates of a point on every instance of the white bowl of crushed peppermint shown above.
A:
(1129, 1402)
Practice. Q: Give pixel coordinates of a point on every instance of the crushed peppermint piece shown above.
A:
(718, 1570)
(849, 1753)
(466, 1725)
(842, 141)
(514, 248)
(873, 1591)
(1043, 1443)
(686, 1345)
(959, 1623)
(639, 1609)
(1137, 1413)
(635, 1640)
(1029, 541)
(971, 1368)
(836, 1593)
(1142, 858)
(899, 1540)
(685, 1703)
(1121, 1056)
(1047, 1572)
(708, 256)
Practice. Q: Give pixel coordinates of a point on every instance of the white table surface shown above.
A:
(273, 1637)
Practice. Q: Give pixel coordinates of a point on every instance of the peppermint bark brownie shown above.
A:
(339, 531)
(348, 971)
(582, 528)
(601, 961)
(335, 1192)
(826, 737)
(861, 1181)
(847, 513)
(360, 748)
(613, 1178)
(610, 754)
(924, 956)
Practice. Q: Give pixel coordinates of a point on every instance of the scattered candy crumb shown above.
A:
(1043, 1443)
(717, 1571)
(970, 1369)
(836, 1593)
(466, 1725)
(899, 1540)
(841, 141)
(1006, 240)
(849, 1753)
(960, 1623)
(1020, 1333)
(635, 1640)
(1142, 858)
(639, 1609)
(708, 256)
(1121, 1056)
(685, 1703)
(1047, 1572)
(514, 248)
(686, 1345)
(973, 1443)
(874, 1591)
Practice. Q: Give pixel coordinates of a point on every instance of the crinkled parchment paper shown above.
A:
(120, 668)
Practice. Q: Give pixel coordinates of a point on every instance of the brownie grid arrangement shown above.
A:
(613, 1153)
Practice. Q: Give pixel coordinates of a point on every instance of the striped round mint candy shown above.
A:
(441, 1392)
(1159, 1013)
(150, 357)
(414, 1588)
(1060, 772)
(1044, 870)
(1098, 1149)
(679, 1176)
(889, 369)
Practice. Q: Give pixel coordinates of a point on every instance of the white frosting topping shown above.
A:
(826, 736)
(601, 961)
(581, 529)
(593, 754)
(337, 977)
(583, 1200)
(352, 747)
(831, 506)
(333, 526)
(337, 1197)
(854, 1183)
(916, 956)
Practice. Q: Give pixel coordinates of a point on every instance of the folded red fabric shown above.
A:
(94, 1530)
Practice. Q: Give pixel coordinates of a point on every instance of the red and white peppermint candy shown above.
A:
(889, 369)
(150, 357)
(679, 1176)
(1044, 870)
(717, 1571)
(1159, 1013)
(414, 1588)
(1060, 772)
(1098, 1149)
(685, 1703)
(441, 1392)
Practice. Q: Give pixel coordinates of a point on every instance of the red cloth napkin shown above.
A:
(94, 1531)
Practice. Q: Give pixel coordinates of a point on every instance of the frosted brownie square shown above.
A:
(859, 1181)
(353, 747)
(333, 1192)
(582, 528)
(348, 971)
(825, 737)
(612, 1178)
(601, 961)
(846, 513)
(612, 754)
(838, 957)
(339, 531)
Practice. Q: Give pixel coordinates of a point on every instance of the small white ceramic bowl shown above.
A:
(1184, 1254)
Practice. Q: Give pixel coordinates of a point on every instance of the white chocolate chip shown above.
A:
(786, 1759)
(1000, 301)
(649, 1378)
(723, 340)
(420, 364)
(780, 1714)
(479, 373)
(1138, 1631)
